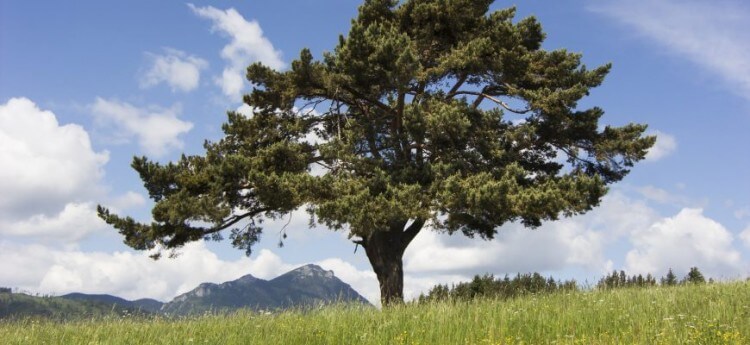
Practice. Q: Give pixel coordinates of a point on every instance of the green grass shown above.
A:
(704, 314)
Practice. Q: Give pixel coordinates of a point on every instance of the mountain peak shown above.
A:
(248, 278)
(312, 270)
(308, 285)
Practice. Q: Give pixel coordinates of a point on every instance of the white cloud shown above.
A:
(128, 200)
(655, 194)
(246, 110)
(133, 275)
(180, 71)
(44, 166)
(552, 248)
(125, 273)
(712, 34)
(247, 44)
(665, 197)
(577, 242)
(74, 222)
(157, 129)
(745, 236)
(665, 145)
(688, 239)
(583, 243)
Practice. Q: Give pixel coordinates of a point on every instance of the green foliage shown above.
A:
(670, 279)
(694, 277)
(412, 109)
(621, 280)
(488, 287)
(687, 314)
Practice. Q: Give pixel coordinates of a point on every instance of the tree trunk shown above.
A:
(385, 250)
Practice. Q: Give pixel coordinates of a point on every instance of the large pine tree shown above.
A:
(432, 113)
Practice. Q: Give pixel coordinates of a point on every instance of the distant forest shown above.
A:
(534, 283)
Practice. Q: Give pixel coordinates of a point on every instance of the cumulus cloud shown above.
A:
(745, 236)
(655, 194)
(124, 273)
(133, 275)
(665, 197)
(74, 222)
(247, 45)
(514, 249)
(572, 242)
(665, 145)
(177, 69)
(650, 243)
(128, 200)
(685, 240)
(246, 110)
(157, 129)
(712, 34)
(45, 167)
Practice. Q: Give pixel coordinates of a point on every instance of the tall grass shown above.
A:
(698, 314)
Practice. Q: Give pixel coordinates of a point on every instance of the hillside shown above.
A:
(144, 304)
(688, 314)
(19, 306)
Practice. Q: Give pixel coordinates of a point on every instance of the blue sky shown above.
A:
(85, 86)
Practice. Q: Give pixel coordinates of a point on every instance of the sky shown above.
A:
(87, 85)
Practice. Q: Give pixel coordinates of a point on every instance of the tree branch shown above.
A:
(375, 102)
(481, 96)
(411, 232)
(459, 83)
(369, 134)
(235, 220)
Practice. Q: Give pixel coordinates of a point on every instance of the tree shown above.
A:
(694, 276)
(429, 112)
(670, 279)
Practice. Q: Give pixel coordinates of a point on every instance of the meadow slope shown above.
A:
(692, 314)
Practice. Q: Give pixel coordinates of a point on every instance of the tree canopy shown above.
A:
(429, 112)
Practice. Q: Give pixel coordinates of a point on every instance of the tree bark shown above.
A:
(385, 250)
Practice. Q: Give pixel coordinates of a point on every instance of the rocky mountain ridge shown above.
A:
(303, 287)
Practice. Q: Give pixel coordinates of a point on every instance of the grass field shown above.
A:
(700, 314)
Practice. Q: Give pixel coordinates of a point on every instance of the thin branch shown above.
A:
(571, 155)
(234, 220)
(477, 102)
(481, 95)
(375, 102)
(399, 125)
(459, 83)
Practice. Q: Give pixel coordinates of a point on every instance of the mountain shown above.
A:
(21, 305)
(144, 304)
(305, 286)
